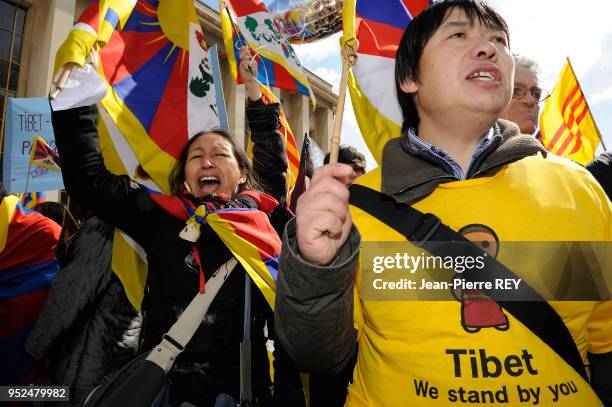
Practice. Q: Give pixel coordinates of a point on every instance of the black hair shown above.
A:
(348, 155)
(417, 35)
(51, 210)
(177, 175)
(3, 192)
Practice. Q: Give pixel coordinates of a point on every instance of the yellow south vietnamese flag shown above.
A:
(566, 124)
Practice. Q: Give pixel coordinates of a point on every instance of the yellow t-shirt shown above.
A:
(422, 353)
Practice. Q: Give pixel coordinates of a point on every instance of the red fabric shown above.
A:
(29, 240)
(245, 7)
(178, 206)
(18, 312)
(377, 39)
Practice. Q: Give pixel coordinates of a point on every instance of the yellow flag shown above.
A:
(566, 124)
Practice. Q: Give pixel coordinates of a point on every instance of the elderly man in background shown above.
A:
(526, 96)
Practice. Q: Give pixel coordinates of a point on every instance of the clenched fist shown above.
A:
(323, 220)
(248, 72)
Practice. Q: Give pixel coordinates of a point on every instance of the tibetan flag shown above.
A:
(93, 29)
(567, 126)
(160, 92)
(44, 156)
(378, 26)
(30, 199)
(291, 149)
(247, 233)
(160, 86)
(27, 267)
(248, 22)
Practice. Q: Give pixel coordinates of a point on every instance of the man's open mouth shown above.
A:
(488, 74)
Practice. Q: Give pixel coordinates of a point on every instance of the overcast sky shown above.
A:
(545, 30)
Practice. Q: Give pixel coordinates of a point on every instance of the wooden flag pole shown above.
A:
(27, 178)
(349, 57)
(62, 77)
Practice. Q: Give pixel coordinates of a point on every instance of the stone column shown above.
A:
(48, 23)
(235, 103)
(325, 123)
(298, 114)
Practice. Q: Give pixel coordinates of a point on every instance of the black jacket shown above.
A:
(601, 168)
(210, 363)
(87, 328)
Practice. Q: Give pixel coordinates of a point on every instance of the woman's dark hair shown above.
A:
(177, 175)
(417, 35)
(3, 192)
(51, 210)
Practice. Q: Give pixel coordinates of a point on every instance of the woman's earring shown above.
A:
(187, 188)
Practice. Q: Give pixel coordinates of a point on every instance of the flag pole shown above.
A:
(34, 143)
(27, 177)
(349, 57)
(587, 104)
(60, 81)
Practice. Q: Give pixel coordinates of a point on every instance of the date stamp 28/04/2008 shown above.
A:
(34, 393)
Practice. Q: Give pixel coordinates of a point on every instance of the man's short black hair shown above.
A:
(417, 35)
(348, 155)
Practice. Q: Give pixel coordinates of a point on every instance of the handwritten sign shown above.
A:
(26, 118)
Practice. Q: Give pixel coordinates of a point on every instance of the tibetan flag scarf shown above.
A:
(246, 231)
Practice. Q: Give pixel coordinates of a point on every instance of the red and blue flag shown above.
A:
(44, 156)
(27, 267)
(378, 26)
(246, 232)
(29, 200)
(248, 22)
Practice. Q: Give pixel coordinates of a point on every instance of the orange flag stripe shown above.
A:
(578, 144)
(570, 137)
(569, 114)
(569, 97)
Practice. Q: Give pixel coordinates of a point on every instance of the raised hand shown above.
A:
(323, 219)
(248, 72)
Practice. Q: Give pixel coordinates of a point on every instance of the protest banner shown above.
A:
(25, 119)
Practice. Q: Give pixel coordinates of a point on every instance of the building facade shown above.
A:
(32, 30)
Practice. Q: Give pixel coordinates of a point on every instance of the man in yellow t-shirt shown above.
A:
(483, 180)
